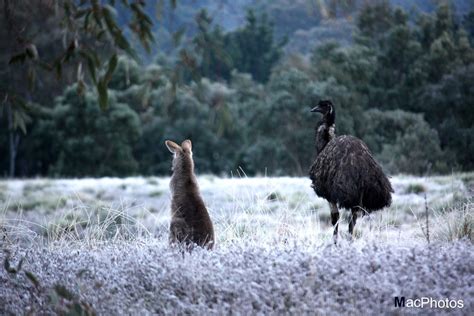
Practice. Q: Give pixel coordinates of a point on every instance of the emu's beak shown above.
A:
(316, 109)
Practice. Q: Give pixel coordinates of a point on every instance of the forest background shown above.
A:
(93, 88)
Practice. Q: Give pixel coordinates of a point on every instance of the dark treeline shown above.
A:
(404, 86)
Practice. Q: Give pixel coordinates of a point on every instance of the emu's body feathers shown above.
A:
(344, 172)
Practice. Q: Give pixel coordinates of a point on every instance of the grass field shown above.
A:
(100, 245)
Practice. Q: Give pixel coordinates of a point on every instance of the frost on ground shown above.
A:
(100, 245)
(152, 279)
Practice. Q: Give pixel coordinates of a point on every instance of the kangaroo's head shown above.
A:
(182, 155)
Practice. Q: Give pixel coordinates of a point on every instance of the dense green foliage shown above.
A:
(88, 141)
(47, 45)
(250, 49)
(404, 86)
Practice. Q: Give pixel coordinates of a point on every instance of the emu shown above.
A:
(345, 173)
(190, 221)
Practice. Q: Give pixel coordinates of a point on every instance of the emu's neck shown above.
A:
(325, 131)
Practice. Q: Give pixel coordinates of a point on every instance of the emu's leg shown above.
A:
(334, 219)
(353, 220)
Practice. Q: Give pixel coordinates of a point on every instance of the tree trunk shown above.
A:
(13, 140)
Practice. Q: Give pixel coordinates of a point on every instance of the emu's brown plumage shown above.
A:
(345, 172)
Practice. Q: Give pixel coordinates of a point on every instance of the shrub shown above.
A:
(416, 188)
(403, 141)
(455, 225)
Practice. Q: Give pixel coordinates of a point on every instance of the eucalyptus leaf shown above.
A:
(91, 64)
(178, 35)
(103, 94)
(19, 58)
(111, 67)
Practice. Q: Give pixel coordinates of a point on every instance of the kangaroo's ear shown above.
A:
(172, 146)
(187, 145)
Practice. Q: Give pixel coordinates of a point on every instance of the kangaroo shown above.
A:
(190, 221)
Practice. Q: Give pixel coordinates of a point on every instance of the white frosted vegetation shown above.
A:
(264, 210)
(105, 240)
(141, 278)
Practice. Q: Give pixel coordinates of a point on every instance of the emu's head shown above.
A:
(324, 107)
(182, 155)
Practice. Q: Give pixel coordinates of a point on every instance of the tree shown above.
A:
(76, 30)
(422, 68)
(278, 130)
(374, 20)
(468, 24)
(215, 61)
(91, 143)
(86, 27)
(346, 72)
(202, 112)
(253, 48)
(403, 141)
(448, 106)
